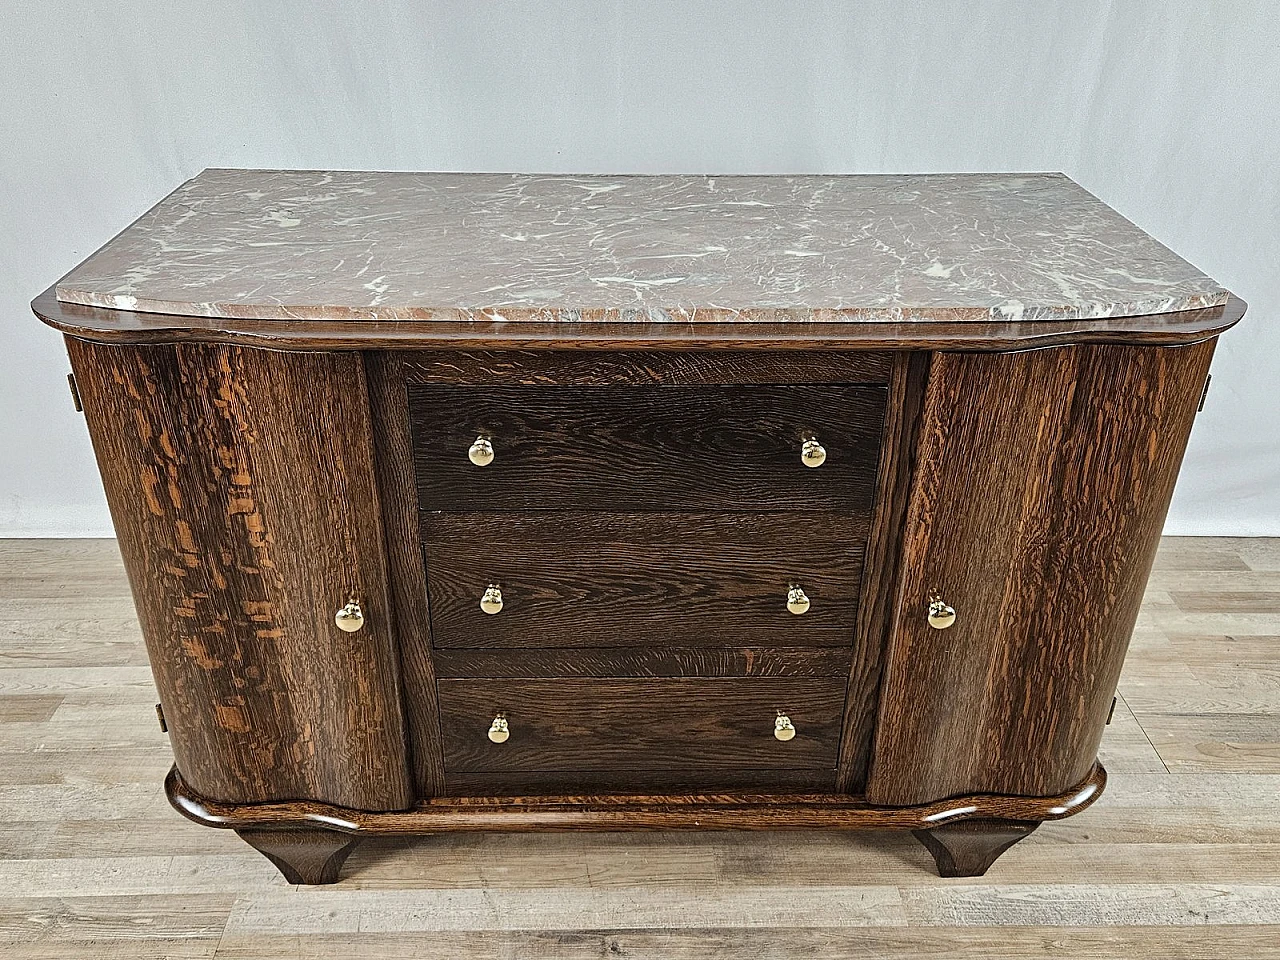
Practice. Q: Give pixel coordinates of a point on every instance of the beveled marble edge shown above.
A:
(648, 315)
(302, 246)
(131, 327)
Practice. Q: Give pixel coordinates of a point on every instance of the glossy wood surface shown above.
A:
(303, 855)
(246, 519)
(1041, 485)
(881, 569)
(123, 326)
(637, 449)
(723, 811)
(650, 580)
(393, 462)
(639, 729)
(969, 848)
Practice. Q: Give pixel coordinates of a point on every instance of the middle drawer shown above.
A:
(607, 579)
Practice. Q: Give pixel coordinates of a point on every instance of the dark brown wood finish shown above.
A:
(576, 368)
(781, 781)
(881, 574)
(125, 326)
(1041, 486)
(303, 855)
(656, 661)
(640, 729)
(645, 515)
(968, 848)
(389, 415)
(706, 811)
(246, 518)
(637, 449)
(617, 579)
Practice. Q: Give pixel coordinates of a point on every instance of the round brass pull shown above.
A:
(350, 618)
(498, 730)
(812, 453)
(797, 602)
(481, 452)
(783, 728)
(491, 599)
(941, 615)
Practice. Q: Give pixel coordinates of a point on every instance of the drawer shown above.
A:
(647, 448)
(640, 734)
(610, 580)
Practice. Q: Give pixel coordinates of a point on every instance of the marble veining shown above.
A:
(312, 245)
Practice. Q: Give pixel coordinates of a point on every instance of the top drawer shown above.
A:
(645, 448)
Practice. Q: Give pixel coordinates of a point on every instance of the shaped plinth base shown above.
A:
(968, 848)
(303, 855)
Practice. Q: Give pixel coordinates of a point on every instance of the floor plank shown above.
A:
(1180, 859)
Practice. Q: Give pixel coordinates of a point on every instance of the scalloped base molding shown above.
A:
(309, 841)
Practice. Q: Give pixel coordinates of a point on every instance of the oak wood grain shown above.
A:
(1045, 564)
(969, 848)
(637, 661)
(639, 729)
(665, 448)
(565, 368)
(222, 489)
(304, 855)
(783, 781)
(881, 576)
(594, 579)
(737, 810)
(393, 456)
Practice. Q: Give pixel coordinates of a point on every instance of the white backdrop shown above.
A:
(1166, 110)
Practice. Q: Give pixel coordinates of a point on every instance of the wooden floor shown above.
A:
(1180, 858)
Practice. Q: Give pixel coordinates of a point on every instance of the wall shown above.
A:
(1166, 110)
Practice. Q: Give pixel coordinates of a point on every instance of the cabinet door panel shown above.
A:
(1041, 487)
(241, 486)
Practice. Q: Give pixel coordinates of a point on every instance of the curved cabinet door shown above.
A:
(1041, 487)
(241, 485)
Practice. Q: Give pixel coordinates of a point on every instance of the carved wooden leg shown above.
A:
(303, 855)
(967, 848)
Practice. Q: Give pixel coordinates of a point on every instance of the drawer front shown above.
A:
(646, 733)
(611, 580)
(640, 449)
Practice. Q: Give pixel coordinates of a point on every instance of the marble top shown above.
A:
(312, 245)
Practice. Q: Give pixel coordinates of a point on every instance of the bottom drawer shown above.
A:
(641, 735)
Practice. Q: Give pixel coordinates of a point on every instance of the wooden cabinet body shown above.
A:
(648, 520)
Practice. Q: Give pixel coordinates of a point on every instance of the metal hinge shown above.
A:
(75, 392)
(164, 727)
(1205, 392)
(1112, 712)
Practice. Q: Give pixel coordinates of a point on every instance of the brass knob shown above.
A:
(941, 615)
(350, 618)
(481, 452)
(491, 599)
(498, 730)
(783, 728)
(797, 602)
(812, 453)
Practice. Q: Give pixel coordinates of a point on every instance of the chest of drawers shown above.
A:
(467, 503)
